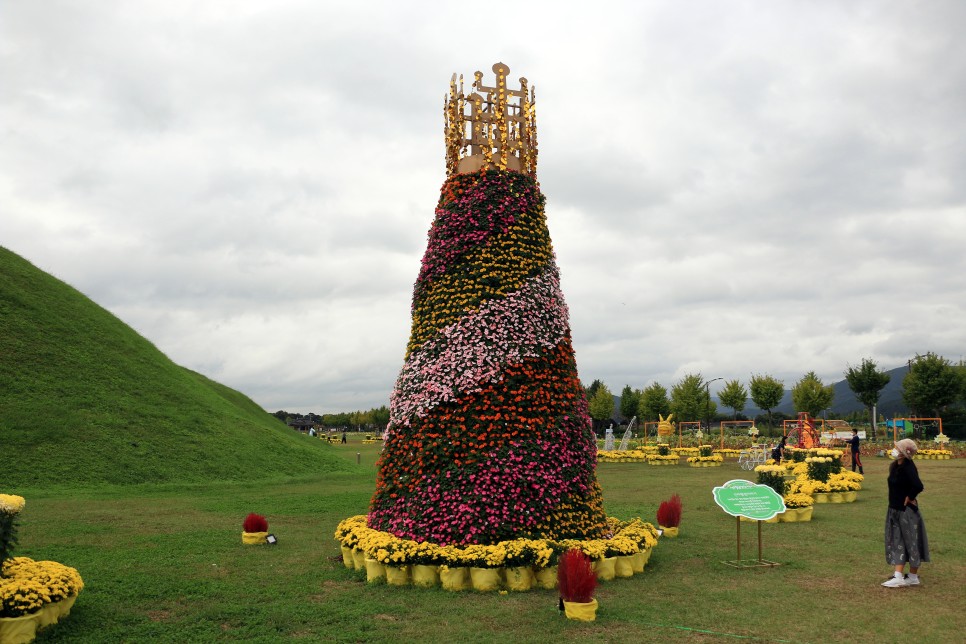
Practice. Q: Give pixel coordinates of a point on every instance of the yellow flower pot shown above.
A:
(790, 515)
(582, 612)
(254, 538)
(638, 561)
(61, 608)
(397, 575)
(18, 630)
(606, 568)
(547, 577)
(519, 578)
(624, 566)
(485, 580)
(374, 570)
(822, 497)
(47, 615)
(358, 559)
(670, 533)
(51, 613)
(347, 557)
(425, 576)
(454, 579)
(836, 497)
(805, 514)
(850, 496)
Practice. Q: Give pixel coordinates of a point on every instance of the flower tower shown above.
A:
(489, 435)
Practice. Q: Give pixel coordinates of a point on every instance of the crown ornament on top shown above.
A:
(492, 128)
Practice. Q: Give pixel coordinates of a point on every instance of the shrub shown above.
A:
(255, 523)
(669, 512)
(819, 468)
(575, 578)
(773, 476)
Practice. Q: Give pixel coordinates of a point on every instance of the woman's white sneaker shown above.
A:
(895, 582)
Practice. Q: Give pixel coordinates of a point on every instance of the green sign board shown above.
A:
(750, 500)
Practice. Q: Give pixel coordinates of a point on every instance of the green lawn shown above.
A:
(165, 563)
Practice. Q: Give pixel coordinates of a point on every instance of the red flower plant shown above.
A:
(255, 523)
(669, 513)
(575, 578)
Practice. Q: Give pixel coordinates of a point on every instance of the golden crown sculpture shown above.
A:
(497, 132)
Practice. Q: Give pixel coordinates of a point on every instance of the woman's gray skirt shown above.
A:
(905, 538)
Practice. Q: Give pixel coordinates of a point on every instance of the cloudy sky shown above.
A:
(733, 187)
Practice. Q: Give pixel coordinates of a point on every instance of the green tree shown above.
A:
(380, 417)
(733, 395)
(766, 393)
(653, 403)
(811, 396)
(592, 389)
(689, 398)
(629, 400)
(601, 405)
(931, 384)
(867, 383)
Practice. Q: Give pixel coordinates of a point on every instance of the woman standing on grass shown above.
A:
(905, 531)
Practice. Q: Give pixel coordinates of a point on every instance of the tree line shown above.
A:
(932, 388)
(374, 419)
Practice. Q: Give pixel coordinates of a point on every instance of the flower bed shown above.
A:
(705, 461)
(621, 456)
(934, 454)
(631, 539)
(33, 594)
(663, 459)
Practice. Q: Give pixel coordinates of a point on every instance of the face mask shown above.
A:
(895, 453)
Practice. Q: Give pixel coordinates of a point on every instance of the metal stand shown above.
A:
(750, 563)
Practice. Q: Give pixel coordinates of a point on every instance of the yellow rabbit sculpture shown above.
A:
(665, 427)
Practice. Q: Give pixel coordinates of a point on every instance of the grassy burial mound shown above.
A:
(84, 399)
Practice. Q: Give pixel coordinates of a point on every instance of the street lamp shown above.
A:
(707, 403)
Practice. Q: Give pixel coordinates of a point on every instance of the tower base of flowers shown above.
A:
(517, 565)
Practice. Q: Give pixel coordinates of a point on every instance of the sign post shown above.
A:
(741, 498)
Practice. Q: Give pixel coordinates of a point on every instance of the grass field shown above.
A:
(165, 563)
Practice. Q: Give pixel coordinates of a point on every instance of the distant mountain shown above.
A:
(845, 402)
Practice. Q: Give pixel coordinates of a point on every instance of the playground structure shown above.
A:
(837, 430)
(916, 421)
(687, 424)
(802, 431)
(749, 423)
